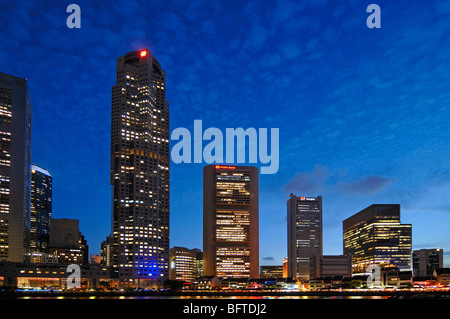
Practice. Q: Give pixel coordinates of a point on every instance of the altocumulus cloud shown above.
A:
(322, 180)
(368, 185)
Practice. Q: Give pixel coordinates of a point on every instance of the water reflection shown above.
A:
(203, 297)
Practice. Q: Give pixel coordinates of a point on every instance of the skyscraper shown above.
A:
(304, 220)
(230, 221)
(15, 168)
(374, 236)
(41, 208)
(140, 170)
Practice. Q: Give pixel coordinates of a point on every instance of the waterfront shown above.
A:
(219, 295)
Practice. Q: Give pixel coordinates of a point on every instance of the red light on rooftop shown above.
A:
(143, 53)
(225, 167)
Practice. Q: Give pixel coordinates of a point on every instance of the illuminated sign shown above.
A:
(143, 53)
(308, 198)
(225, 167)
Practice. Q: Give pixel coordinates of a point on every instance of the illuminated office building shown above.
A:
(184, 264)
(375, 236)
(140, 173)
(41, 208)
(230, 221)
(304, 222)
(15, 169)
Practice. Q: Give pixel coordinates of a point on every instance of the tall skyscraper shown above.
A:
(140, 170)
(41, 208)
(15, 168)
(230, 221)
(374, 236)
(304, 222)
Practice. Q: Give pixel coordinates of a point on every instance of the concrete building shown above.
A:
(184, 264)
(67, 242)
(140, 171)
(331, 266)
(426, 261)
(305, 238)
(231, 221)
(15, 168)
(375, 236)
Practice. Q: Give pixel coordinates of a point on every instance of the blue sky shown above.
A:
(363, 113)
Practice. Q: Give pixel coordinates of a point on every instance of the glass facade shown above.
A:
(41, 209)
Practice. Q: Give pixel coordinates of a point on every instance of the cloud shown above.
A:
(321, 181)
(309, 182)
(269, 258)
(368, 185)
(256, 38)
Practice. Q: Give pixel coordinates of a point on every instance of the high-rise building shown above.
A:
(230, 221)
(374, 236)
(426, 261)
(304, 223)
(15, 168)
(41, 208)
(140, 171)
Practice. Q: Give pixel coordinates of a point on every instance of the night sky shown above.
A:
(363, 114)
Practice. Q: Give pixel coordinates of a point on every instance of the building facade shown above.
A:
(15, 168)
(140, 171)
(305, 238)
(375, 236)
(41, 209)
(271, 272)
(331, 266)
(426, 261)
(184, 264)
(67, 243)
(231, 221)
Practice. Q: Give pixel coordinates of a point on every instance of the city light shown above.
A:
(225, 167)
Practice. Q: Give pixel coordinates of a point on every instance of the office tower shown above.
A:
(426, 261)
(140, 173)
(183, 264)
(15, 168)
(374, 236)
(304, 222)
(67, 242)
(230, 221)
(41, 208)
